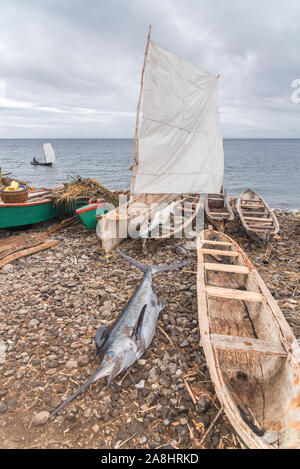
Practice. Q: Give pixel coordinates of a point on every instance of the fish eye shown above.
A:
(110, 354)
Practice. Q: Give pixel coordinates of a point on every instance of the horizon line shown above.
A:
(132, 138)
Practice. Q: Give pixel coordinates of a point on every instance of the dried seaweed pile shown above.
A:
(80, 189)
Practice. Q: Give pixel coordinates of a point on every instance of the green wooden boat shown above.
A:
(35, 210)
(87, 214)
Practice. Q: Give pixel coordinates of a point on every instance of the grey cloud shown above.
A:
(78, 63)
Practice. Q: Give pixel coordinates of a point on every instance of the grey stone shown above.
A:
(40, 418)
(137, 427)
(123, 435)
(7, 269)
(271, 436)
(3, 407)
(71, 364)
(140, 384)
(184, 343)
(202, 405)
(164, 381)
(33, 323)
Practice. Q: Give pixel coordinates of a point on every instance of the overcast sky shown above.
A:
(71, 68)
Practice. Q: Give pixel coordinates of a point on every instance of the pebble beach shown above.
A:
(51, 305)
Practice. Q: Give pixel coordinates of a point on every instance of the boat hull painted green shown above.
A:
(12, 215)
(87, 214)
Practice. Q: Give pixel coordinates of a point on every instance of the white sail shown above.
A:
(49, 153)
(180, 143)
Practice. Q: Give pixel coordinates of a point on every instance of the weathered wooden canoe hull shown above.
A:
(124, 220)
(130, 218)
(252, 353)
(252, 208)
(218, 210)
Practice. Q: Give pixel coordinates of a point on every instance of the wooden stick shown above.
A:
(137, 117)
(161, 329)
(210, 427)
(16, 248)
(190, 391)
(63, 224)
(27, 252)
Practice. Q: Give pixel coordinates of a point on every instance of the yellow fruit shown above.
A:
(14, 185)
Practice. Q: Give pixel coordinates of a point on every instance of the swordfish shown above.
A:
(126, 339)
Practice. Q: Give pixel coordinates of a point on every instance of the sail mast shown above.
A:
(135, 162)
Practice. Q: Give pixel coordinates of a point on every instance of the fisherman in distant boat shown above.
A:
(35, 161)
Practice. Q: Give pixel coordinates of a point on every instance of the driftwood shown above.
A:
(11, 242)
(27, 252)
(11, 247)
(63, 224)
(15, 248)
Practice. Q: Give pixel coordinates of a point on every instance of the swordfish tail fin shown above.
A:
(154, 268)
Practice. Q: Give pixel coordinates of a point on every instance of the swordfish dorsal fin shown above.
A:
(136, 333)
(154, 268)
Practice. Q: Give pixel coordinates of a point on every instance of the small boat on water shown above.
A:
(218, 210)
(257, 217)
(48, 154)
(34, 162)
(252, 353)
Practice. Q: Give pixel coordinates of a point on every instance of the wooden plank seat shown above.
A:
(219, 243)
(236, 269)
(219, 214)
(229, 293)
(250, 212)
(257, 205)
(246, 344)
(260, 227)
(220, 252)
(269, 220)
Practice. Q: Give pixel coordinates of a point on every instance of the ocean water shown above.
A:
(270, 167)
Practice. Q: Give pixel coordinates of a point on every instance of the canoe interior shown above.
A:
(184, 209)
(256, 387)
(256, 216)
(128, 219)
(218, 210)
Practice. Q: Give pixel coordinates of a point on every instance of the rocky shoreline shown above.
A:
(51, 305)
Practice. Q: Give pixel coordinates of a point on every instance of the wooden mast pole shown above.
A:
(135, 162)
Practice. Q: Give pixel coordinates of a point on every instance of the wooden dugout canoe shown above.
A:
(218, 210)
(172, 219)
(252, 353)
(256, 216)
(132, 218)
